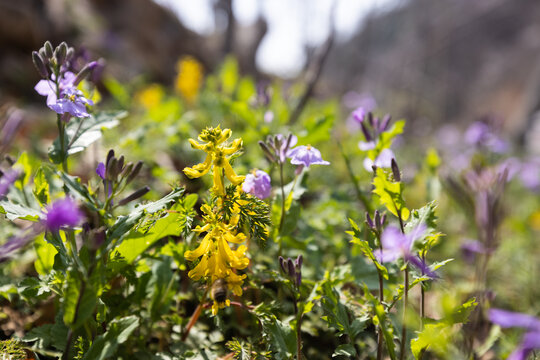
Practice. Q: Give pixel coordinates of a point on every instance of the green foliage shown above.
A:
(118, 332)
(390, 193)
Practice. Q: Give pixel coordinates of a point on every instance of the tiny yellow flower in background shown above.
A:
(150, 96)
(189, 78)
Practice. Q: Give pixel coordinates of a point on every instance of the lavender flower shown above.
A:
(531, 340)
(100, 170)
(397, 245)
(63, 212)
(258, 184)
(15, 243)
(306, 156)
(48, 87)
(470, 248)
(359, 114)
(483, 134)
(285, 149)
(7, 180)
(72, 102)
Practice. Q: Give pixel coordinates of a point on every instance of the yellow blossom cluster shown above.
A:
(189, 78)
(218, 262)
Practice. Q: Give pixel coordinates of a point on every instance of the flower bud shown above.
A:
(365, 132)
(48, 48)
(70, 54)
(385, 122)
(120, 164)
(282, 264)
(267, 152)
(60, 53)
(369, 221)
(39, 64)
(111, 172)
(137, 194)
(299, 261)
(135, 172)
(290, 267)
(395, 170)
(85, 72)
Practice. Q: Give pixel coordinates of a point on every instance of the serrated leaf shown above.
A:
(124, 224)
(18, 211)
(118, 331)
(380, 319)
(345, 350)
(41, 187)
(281, 336)
(82, 132)
(390, 193)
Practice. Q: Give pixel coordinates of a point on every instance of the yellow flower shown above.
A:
(150, 96)
(189, 78)
(218, 151)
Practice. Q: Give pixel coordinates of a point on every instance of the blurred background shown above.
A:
(431, 62)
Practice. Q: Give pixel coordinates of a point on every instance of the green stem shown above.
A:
(281, 220)
(405, 301)
(359, 193)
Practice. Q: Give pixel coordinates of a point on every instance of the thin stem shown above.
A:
(298, 329)
(405, 301)
(422, 297)
(359, 193)
(195, 316)
(281, 221)
(381, 299)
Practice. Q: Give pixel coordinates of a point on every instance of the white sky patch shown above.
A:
(292, 24)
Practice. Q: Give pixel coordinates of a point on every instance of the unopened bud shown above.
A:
(282, 264)
(365, 132)
(383, 220)
(111, 172)
(385, 122)
(48, 48)
(267, 152)
(370, 118)
(377, 217)
(110, 155)
(60, 53)
(70, 54)
(127, 169)
(39, 64)
(120, 164)
(290, 267)
(85, 72)
(369, 221)
(135, 172)
(299, 261)
(137, 194)
(395, 170)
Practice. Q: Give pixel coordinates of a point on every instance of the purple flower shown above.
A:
(470, 248)
(383, 160)
(7, 180)
(531, 340)
(268, 116)
(359, 114)
(530, 174)
(100, 170)
(13, 244)
(258, 184)
(396, 245)
(48, 87)
(285, 150)
(63, 212)
(306, 156)
(482, 134)
(72, 102)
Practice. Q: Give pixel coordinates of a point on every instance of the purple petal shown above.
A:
(306, 155)
(393, 239)
(359, 114)
(387, 255)
(100, 170)
(365, 146)
(7, 180)
(45, 87)
(13, 244)
(520, 353)
(415, 234)
(258, 184)
(507, 319)
(421, 265)
(63, 212)
(384, 160)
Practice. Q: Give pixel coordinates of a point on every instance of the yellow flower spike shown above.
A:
(196, 145)
(231, 175)
(235, 146)
(190, 78)
(200, 169)
(200, 250)
(218, 188)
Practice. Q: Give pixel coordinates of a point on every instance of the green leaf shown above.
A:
(318, 129)
(434, 337)
(118, 331)
(337, 315)
(390, 193)
(381, 319)
(137, 242)
(82, 132)
(366, 249)
(41, 187)
(54, 335)
(281, 336)
(45, 255)
(386, 137)
(344, 350)
(160, 285)
(124, 224)
(76, 314)
(79, 190)
(24, 165)
(18, 211)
